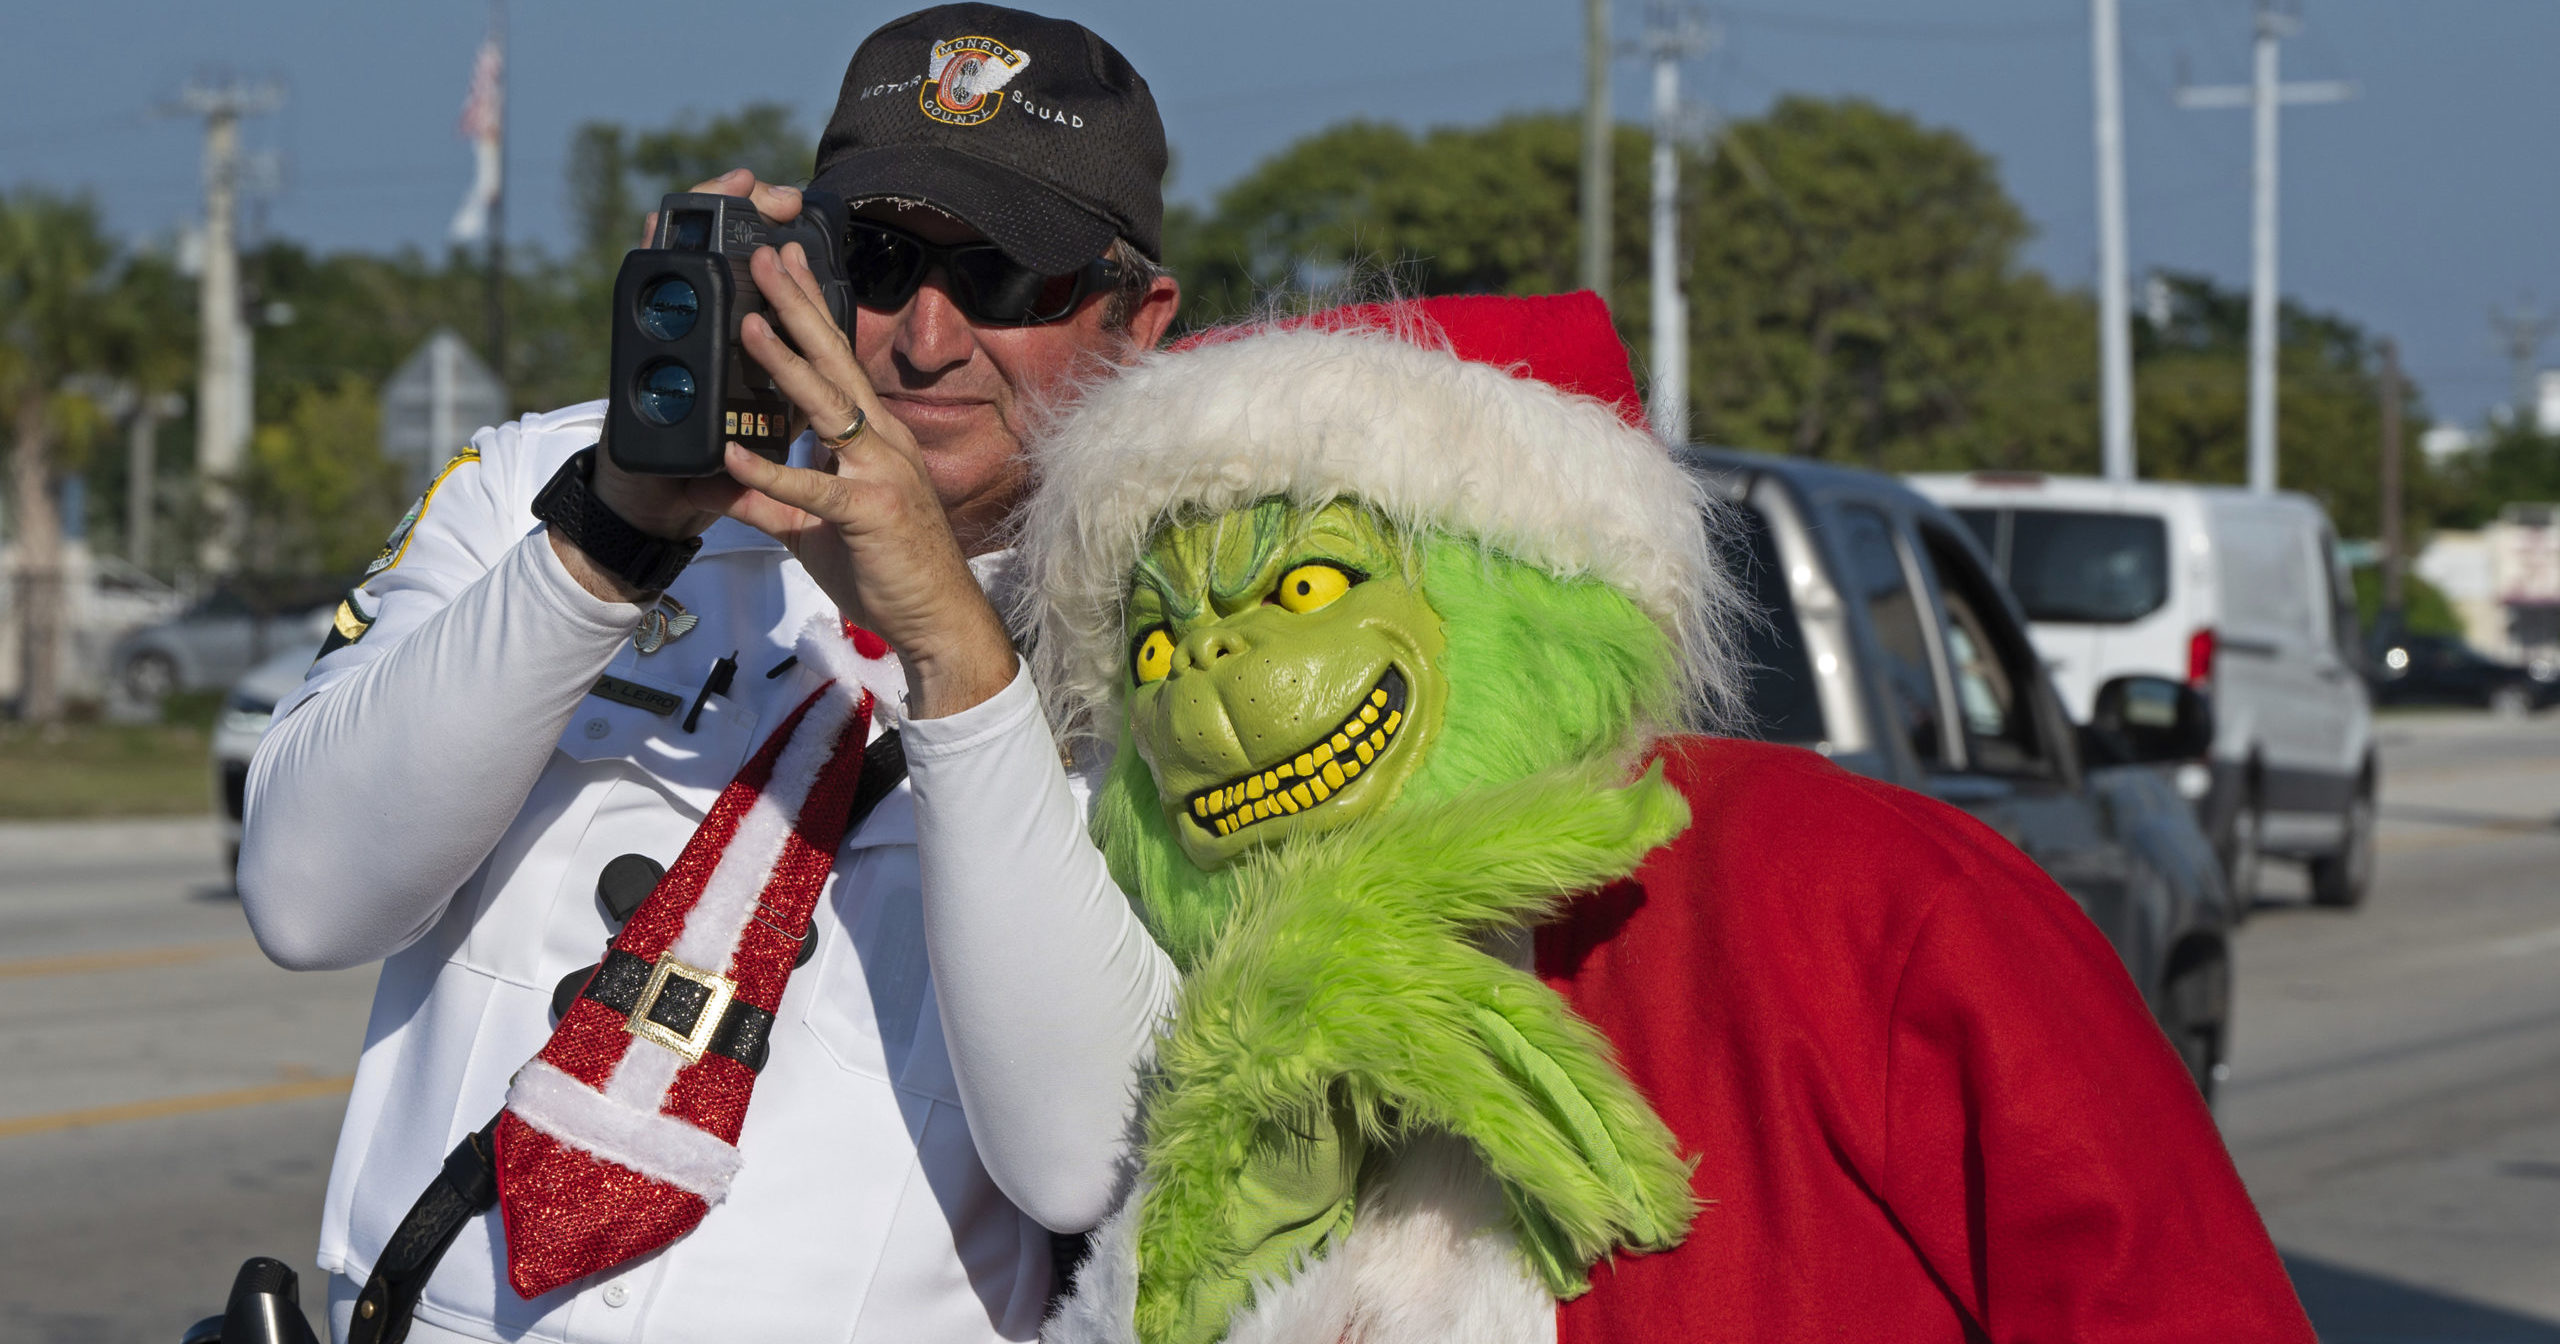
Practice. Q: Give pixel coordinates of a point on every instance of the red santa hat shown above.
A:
(1511, 421)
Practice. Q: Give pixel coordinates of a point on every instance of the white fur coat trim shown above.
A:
(1429, 1260)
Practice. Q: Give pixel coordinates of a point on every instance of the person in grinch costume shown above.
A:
(1507, 1012)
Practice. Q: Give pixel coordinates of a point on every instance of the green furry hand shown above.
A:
(1293, 1194)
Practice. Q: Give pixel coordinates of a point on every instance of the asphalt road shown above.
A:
(173, 1098)
(2394, 1100)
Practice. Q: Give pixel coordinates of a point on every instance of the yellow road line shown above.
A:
(131, 959)
(227, 1099)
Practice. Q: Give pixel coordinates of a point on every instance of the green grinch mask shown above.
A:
(1284, 673)
(1500, 707)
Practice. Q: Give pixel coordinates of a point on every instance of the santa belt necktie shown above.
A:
(620, 1136)
(622, 1133)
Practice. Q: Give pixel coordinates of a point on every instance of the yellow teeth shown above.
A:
(1311, 776)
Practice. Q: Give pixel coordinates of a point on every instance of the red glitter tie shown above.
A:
(620, 1136)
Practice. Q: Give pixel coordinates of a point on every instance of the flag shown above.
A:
(484, 125)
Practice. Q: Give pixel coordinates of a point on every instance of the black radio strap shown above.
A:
(465, 1189)
(468, 1184)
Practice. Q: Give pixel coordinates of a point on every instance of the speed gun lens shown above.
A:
(665, 395)
(668, 309)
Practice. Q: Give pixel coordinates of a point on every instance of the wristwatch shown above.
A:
(568, 505)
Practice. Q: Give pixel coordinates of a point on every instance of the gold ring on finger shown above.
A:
(836, 443)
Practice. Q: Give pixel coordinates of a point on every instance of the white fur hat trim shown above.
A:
(1391, 418)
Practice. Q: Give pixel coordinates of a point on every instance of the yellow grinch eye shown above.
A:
(1152, 660)
(1310, 587)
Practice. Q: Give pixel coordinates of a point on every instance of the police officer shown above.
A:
(510, 706)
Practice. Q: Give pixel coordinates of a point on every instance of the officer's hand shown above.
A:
(660, 505)
(871, 531)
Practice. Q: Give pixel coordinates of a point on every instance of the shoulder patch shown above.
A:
(351, 623)
(397, 544)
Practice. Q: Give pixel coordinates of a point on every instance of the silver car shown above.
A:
(212, 641)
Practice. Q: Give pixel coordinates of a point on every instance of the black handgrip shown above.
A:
(265, 1307)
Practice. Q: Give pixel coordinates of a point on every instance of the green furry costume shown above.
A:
(1338, 992)
(1376, 716)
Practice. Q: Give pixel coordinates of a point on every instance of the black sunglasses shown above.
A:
(886, 265)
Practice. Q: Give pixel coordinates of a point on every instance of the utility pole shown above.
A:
(223, 406)
(1672, 34)
(2115, 330)
(2523, 332)
(142, 467)
(2262, 96)
(2395, 558)
(1597, 174)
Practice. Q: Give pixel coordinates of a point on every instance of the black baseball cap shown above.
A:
(1031, 130)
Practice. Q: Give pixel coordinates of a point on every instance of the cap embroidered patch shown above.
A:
(964, 79)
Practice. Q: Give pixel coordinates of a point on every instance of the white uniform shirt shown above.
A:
(444, 792)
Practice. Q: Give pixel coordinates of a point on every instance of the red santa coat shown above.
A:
(1926, 1100)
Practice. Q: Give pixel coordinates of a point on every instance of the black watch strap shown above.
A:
(568, 505)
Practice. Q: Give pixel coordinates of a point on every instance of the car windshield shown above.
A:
(1779, 697)
(2087, 568)
(1984, 524)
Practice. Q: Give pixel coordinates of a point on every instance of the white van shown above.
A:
(2243, 596)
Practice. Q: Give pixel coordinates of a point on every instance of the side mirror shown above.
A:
(2142, 720)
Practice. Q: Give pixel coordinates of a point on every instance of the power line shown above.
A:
(1360, 83)
(1825, 25)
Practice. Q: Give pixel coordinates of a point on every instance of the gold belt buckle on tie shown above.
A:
(659, 1015)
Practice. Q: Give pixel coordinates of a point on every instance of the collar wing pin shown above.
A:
(664, 624)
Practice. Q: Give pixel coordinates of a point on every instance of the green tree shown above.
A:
(56, 299)
(1854, 281)
(2425, 610)
(150, 343)
(1857, 294)
(1455, 210)
(2518, 464)
(2191, 417)
(616, 174)
(319, 491)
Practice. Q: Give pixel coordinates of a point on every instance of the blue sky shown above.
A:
(2415, 209)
